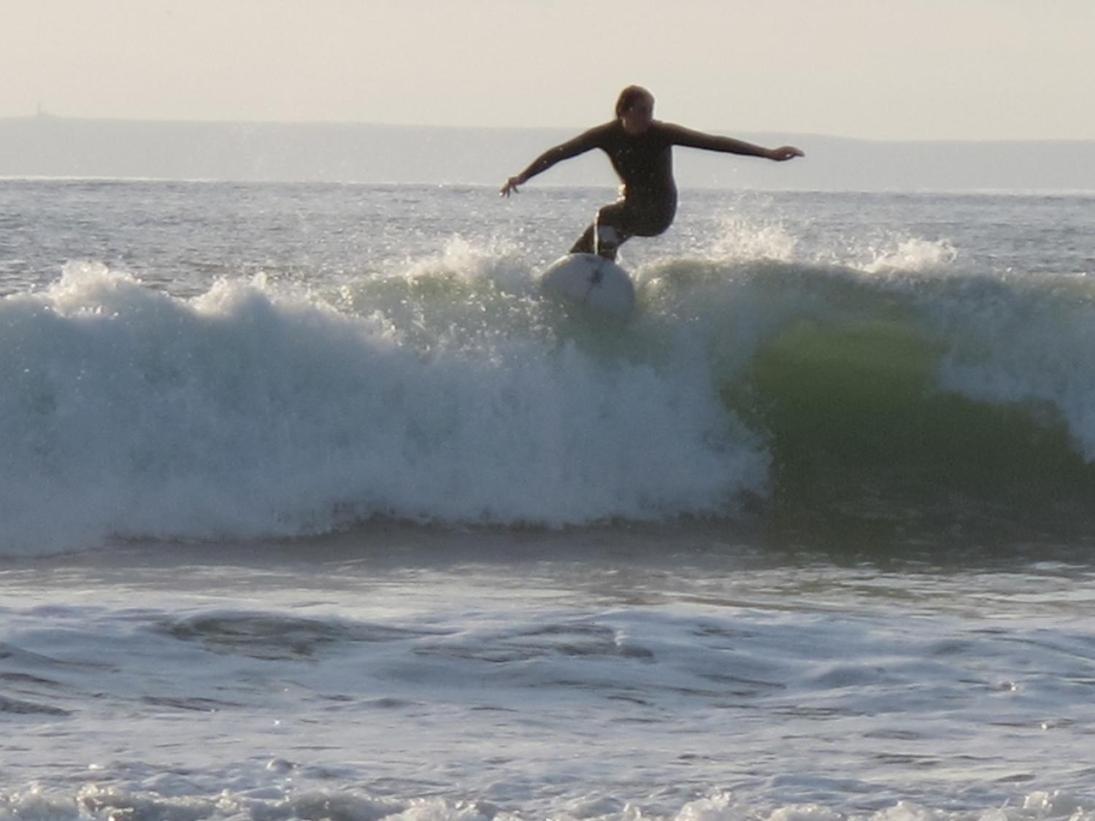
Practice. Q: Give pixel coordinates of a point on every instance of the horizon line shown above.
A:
(42, 115)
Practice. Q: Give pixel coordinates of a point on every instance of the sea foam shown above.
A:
(248, 411)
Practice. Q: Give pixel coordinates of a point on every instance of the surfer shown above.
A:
(639, 148)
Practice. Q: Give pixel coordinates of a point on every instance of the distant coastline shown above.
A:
(48, 146)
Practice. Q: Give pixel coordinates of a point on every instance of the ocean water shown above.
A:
(312, 507)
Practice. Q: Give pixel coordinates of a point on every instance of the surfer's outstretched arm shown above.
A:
(571, 148)
(712, 142)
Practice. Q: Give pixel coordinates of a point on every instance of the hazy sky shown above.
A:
(915, 69)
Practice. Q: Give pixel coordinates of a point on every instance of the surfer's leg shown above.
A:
(608, 243)
(611, 232)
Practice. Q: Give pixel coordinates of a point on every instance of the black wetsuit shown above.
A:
(644, 163)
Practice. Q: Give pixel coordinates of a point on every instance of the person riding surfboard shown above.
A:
(640, 149)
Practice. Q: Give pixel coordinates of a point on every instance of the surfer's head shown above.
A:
(635, 109)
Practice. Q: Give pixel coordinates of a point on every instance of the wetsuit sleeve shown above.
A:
(584, 142)
(688, 138)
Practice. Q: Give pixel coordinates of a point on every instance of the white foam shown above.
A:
(37, 804)
(249, 412)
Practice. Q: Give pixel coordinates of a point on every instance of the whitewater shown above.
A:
(311, 506)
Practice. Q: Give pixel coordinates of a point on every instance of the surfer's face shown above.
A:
(638, 116)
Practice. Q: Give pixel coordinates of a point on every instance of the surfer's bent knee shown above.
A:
(637, 223)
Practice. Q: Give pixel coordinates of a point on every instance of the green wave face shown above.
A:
(862, 438)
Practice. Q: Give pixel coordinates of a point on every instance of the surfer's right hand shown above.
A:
(784, 153)
(511, 186)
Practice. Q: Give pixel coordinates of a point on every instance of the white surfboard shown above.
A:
(592, 281)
